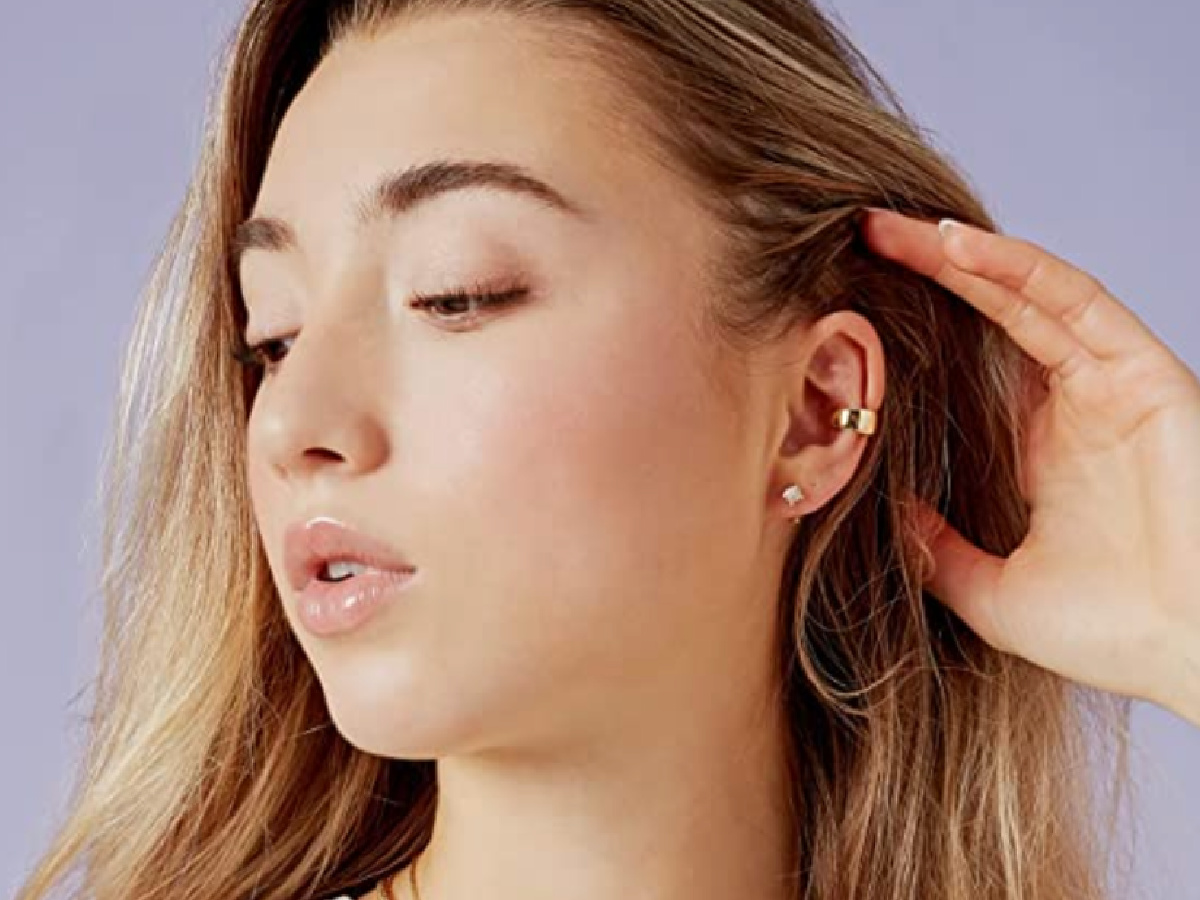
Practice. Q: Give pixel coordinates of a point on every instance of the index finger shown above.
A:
(1100, 322)
(1103, 324)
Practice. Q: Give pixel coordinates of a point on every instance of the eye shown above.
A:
(473, 298)
(257, 357)
(262, 357)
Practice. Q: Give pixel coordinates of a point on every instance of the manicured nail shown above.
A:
(946, 225)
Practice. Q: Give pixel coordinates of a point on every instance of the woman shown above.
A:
(694, 535)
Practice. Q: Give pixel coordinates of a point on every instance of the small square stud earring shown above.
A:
(793, 495)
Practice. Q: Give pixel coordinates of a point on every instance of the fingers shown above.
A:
(1104, 325)
(1044, 337)
(1057, 312)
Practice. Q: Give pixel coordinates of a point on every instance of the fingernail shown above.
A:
(946, 225)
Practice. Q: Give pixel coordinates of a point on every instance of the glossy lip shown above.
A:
(309, 545)
(327, 608)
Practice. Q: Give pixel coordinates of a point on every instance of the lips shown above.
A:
(309, 545)
(335, 608)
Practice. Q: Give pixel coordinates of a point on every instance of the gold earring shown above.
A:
(861, 420)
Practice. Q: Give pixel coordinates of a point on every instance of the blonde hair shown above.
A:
(926, 765)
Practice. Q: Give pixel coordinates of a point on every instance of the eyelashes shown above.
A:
(480, 297)
(259, 357)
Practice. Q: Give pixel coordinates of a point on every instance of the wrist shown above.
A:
(1182, 695)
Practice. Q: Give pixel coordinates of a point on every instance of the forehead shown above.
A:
(456, 87)
(485, 89)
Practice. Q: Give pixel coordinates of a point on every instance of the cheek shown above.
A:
(573, 481)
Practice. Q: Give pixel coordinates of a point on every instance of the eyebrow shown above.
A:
(401, 192)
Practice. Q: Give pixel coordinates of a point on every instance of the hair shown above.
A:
(925, 764)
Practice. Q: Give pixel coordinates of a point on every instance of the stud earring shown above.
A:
(793, 495)
(852, 417)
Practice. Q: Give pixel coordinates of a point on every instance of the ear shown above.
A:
(837, 362)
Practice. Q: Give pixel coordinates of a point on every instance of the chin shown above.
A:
(388, 717)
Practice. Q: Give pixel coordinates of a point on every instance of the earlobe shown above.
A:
(853, 418)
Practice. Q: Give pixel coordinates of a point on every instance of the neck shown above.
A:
(694, 805)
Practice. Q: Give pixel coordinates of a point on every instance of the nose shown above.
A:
(324, 405)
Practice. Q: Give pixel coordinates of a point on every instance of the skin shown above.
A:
(1103, 588)
(597, 524)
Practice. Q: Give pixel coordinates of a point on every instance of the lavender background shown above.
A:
(1078, 121)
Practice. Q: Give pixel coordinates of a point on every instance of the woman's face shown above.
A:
(584, 507)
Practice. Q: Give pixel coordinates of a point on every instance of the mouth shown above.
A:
(326, 551)
(339, 572)
(335, 602)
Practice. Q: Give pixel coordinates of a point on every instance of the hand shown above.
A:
(1105, 588)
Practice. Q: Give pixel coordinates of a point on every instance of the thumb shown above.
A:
(964, 577)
